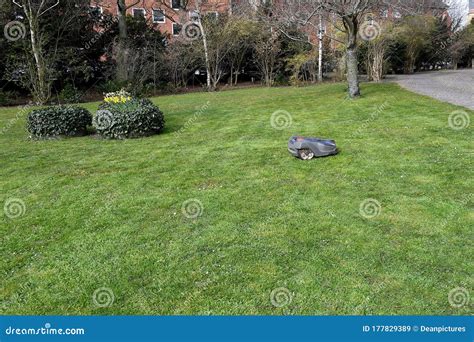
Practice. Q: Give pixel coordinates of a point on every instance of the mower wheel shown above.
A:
(306, 154)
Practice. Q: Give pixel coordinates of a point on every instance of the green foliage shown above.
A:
(63, 48)
(143, 56)
(58, 121)
(111, 86)
(141, 34)
(132, 119)
(7, 97)
(303, 67)
(414, 34)
(462, 47)
(70, 94)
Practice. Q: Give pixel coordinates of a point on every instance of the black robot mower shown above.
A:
(309, 148)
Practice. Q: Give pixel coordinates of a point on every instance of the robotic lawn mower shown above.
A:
(308, 148)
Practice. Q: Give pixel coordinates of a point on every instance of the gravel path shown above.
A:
(453, 86)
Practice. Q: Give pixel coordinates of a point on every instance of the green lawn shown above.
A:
(108, 214)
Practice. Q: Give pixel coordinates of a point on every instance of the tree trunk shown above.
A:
(206, 53)
(352, 72)
(122, 49)
(376, 59)
(208, 66)
(351, 25)
(42, 88)
(320, 56)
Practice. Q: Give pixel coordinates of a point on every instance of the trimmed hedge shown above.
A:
(131, 119)
(58, 121)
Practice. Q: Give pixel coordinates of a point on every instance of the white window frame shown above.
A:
(101, 9)
(175, 8)
(153, 16)
(138, 8)
(172, 29)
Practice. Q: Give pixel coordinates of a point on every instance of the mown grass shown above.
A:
(109, 213)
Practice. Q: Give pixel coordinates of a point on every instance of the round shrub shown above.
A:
(128, 118)
(58, 121)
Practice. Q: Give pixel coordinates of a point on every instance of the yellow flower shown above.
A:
(117, 97)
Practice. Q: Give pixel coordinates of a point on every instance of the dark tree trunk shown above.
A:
(351, 25)
(353, 72)
(122, 49)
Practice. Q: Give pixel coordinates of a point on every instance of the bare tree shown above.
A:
(40, 80)
(377, 49)
(414, 33)
(345, 16)
(228, 39)
(192, 28)
(123, 52)
(243, 37)
(267, 49)
(181, 60)
(215, 32)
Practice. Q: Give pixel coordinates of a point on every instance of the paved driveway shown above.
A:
(454, 86)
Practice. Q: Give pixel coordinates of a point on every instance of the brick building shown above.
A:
(165, 15)
(169, 15)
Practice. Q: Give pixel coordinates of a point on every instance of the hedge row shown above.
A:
(131, 119)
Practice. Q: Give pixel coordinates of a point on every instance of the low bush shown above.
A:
(58, 121)
(121, 116)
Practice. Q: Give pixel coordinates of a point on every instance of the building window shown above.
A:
(96, 11)
(176, 29)
(211, 15)
(397, 15)
(158, 16)
(176, 4)
(139, 12)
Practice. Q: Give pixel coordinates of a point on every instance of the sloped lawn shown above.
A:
(108, 214)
